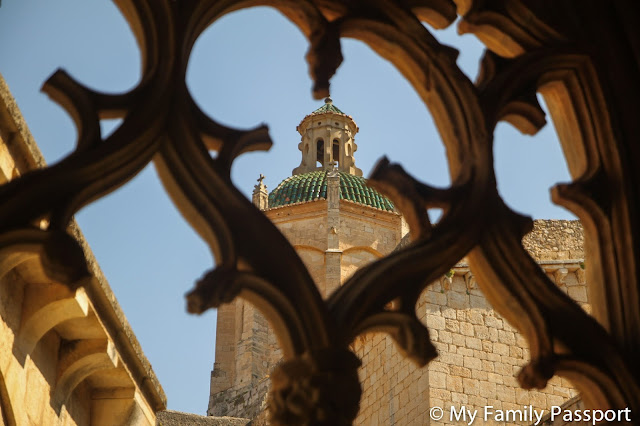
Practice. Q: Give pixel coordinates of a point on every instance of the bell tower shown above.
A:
(328, 139)
(336, 223)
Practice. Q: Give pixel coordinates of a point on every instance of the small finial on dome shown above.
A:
(328, 101)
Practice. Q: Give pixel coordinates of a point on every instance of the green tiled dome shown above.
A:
(313, 185)
(328, 107)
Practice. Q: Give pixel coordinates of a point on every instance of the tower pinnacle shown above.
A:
(328, 137)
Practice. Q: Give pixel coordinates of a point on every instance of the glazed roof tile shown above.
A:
(313, 186)
(328, 107)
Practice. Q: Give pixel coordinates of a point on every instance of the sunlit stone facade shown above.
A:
(338, 224)
(67, 354)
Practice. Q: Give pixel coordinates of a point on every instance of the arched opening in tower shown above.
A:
(320, 152)
(336, 151)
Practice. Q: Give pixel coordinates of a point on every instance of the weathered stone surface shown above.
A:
(69, 355)
(177, 418)
(479, 353)
(555, 240)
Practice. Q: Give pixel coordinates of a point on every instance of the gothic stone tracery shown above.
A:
(581, 55)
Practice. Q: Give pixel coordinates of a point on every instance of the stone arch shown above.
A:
(335, 151)
(368, 249)
(527, 298)
(584, 139)
(355, 258)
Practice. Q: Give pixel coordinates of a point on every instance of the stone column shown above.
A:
(223, 373)
(242, 361)
(333, 255)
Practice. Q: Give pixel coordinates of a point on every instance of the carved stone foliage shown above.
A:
(534, 46)
(320, 387)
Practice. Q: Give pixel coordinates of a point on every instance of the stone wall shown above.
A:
(244, 358)
(241, 401)
(333, 238)
(362, 235)
(479, 356)
(67, 353)
(394, 390)
(305, 226)
(364, 227)
(177, 418)
(479, 353)
(555, 240)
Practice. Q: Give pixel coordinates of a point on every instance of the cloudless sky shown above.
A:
(246, 69)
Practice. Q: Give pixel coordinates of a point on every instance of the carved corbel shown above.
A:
(80, 359)
(321, 389)
(60, 256)
(470, 280)
(560, 274)
(122, 405)
(114, 404)
(45, 307)
(446, 281)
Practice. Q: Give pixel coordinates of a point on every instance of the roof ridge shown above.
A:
(328, 107)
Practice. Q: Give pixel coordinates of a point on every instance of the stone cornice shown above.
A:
(98, 291)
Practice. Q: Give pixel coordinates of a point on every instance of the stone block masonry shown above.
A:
(68, 356)
(479, 352)
(338, 224)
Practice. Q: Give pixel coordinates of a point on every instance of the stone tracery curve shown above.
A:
(315, 335)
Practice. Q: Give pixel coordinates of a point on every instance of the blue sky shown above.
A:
(246, 69)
